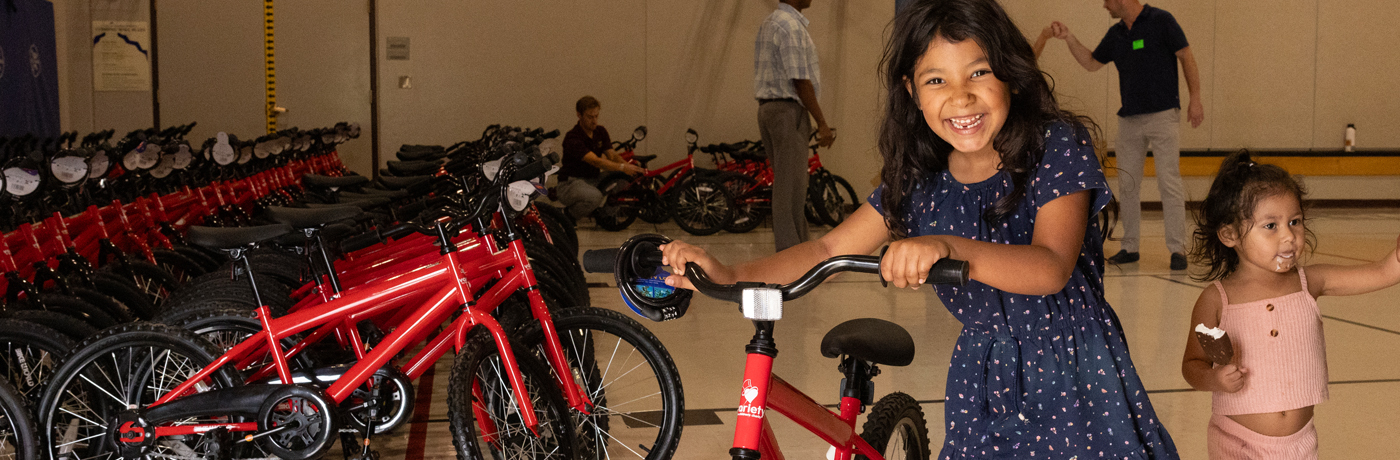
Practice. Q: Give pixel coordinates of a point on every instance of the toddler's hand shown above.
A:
(1230, 377)
(907, 262)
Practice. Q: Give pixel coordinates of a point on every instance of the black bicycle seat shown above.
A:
(372, 193)
(312, 217)
(364, 203)
(870, 339)
(317, 180)
(421, 155)
(234, 237)
(643, 159)
(412, 168)
(396, 183)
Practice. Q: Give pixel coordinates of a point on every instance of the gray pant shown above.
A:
(785, 127)
(1135, 133)
(580, 196)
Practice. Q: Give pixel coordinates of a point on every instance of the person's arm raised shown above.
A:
(1329, 279)
(1081, 53)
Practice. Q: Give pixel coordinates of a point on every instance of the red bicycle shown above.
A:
(699, 203)
(146, 389)
(895, 428)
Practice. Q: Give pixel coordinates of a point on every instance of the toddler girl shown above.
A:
(1251, 234)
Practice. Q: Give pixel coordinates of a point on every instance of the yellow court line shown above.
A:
(1311, 166)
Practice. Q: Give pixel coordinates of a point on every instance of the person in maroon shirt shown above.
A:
(587, 153)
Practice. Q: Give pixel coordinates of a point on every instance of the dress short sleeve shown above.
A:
(874, 198)
(1069, 166)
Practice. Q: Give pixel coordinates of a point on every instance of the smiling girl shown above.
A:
(981, 164)
(1251, 233)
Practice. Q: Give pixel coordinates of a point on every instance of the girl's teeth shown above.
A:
(964, 123)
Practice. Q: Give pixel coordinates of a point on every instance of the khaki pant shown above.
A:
(785, 128)
(1160, 130)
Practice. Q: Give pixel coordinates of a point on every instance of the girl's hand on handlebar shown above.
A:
(907, 262)
(677, 253)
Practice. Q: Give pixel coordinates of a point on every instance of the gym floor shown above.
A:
(1154, 303)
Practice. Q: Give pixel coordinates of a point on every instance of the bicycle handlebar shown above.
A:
(944, 271)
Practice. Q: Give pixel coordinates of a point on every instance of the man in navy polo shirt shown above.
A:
(1146, 45)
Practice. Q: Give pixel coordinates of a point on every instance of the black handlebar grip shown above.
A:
(949, 271)
(600, 260)
(550, 135)
(361, 241)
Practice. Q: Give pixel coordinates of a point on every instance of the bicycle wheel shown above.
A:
(615, 214)
(180, 267)
(701, 205)
(226, 324)
(487, 423)
(652, 209)
(19, 439)
(834, 200)
(124, 368)
(639, 405)
(151, 280)
(897, 429)
(31, 352)
(749, 210)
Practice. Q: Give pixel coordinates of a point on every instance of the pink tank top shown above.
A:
(1279, 341)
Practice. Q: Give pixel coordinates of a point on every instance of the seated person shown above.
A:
(587, 152)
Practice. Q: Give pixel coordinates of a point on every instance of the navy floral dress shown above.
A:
(1037, 376)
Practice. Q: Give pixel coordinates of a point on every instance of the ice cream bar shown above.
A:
(1216, 343)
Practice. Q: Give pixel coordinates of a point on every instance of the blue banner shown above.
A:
(28, 68)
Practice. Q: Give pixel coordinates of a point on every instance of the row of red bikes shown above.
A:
(254, 299)
(736, 195)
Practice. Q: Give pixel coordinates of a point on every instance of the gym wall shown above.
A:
(1278, 75)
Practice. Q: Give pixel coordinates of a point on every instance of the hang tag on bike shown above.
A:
(182, 157)
(519, 193)
(490, 169)
(143, 157)
(549, 146)
(164, 168)
(69, 169)
(99, 164)
(222, 152)
(263, 149)
(21, 181)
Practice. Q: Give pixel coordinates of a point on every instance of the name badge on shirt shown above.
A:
(1138, 44)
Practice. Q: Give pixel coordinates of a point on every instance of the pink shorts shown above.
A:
(1226, 439)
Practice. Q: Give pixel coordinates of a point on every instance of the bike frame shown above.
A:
(455, 280)
(753, 432)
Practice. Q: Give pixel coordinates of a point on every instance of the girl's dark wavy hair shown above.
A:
(1238, 187)
(910, 148)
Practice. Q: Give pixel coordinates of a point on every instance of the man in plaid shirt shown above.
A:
(787, 82)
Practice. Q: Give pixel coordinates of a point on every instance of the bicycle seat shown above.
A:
(234, 237)
(421, 155)
(870, 339)
(396, 183)
(412, 168)
(741, 156)
(373, 193)
(362, 203)
(643, 159)
(312, 217)
(317, 180)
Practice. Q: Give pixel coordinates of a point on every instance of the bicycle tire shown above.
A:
(225, 325)
(74, 328)
(223, 287)
(77, 308)
(559, 224)
(108, 304)
(701, 205)
(125, 290)
(154, 282)
(205, 261)
(832, 200)
(479, 364)
(17, 428)
(897, 429)
(179, 267)
(31, 353)
(603, 346)
(747, 214)
(145, 347)
(614, 216)
(653, 209)
(569, 276)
